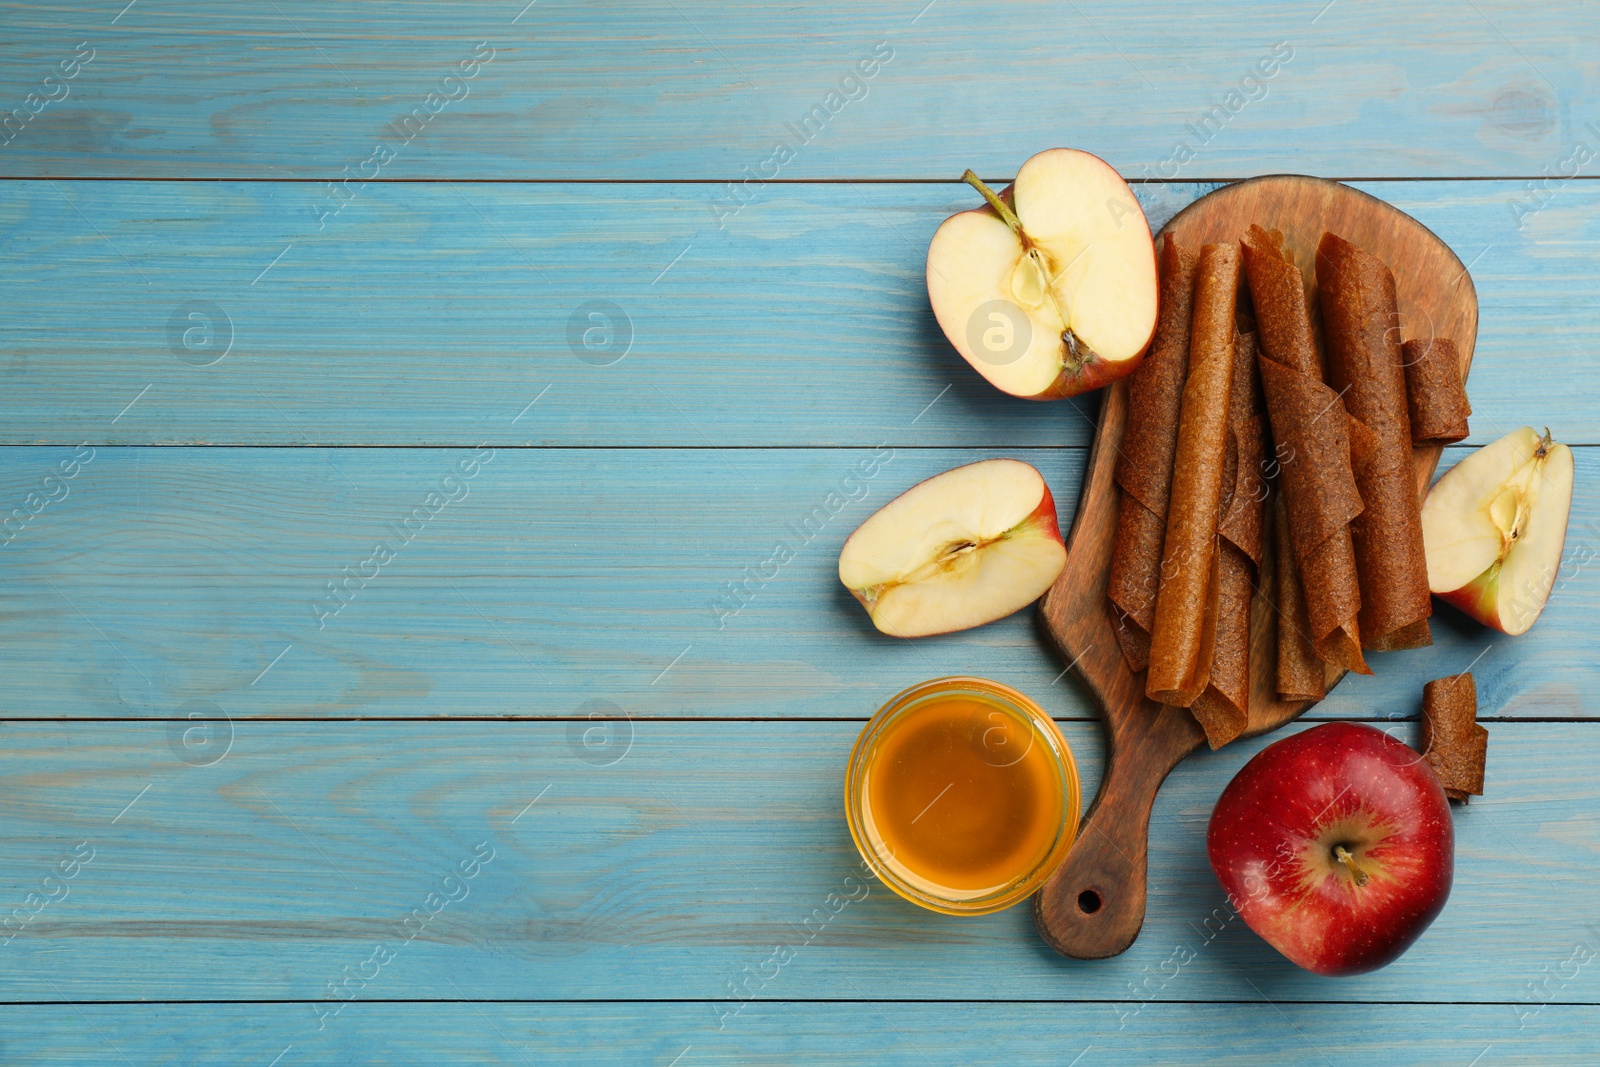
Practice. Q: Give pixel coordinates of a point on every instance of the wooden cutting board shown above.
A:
(1093, 905)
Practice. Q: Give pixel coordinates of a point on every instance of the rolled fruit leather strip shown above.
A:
(1361, 321)
(1301, 673)
(1454, 743)
(1144, 460)
(1243, 520)
(1311, 429)
(1436, 401)
(1224, 707)
(1186, 599)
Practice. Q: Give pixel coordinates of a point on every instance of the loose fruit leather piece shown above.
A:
(1436, 400)
(1312, 431)
(1454, 743)
(1301, 674)
(1184, 633)
(1144, 461)
(1223, 708)
(1361, 321)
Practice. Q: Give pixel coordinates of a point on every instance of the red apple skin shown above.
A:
(1477, 600)
(1044, 516)
(1088, 377)
(1091, 376)
(1273, 832)
(1480, 598)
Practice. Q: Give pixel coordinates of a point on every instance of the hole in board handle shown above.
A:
(1088, 902)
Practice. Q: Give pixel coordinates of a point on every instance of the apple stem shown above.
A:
(1545, 443)
(1007, 216)
(1343, 855)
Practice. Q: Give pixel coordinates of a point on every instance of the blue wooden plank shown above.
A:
(290, 859)
(292, 88)
(437, 313)
(898, 1035)
(650, 578)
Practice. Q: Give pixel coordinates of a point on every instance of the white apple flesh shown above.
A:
(962, 548)
(1053, 293)
(1494, 526)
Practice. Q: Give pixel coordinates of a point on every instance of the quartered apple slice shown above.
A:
(1494, 526)
(963, 548)
(1050, 291)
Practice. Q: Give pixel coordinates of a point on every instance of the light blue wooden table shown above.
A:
(283, 280)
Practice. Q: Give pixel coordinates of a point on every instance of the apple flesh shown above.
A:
(1050, 290)
(1335, 845)
(1494, 526)
(963, 548)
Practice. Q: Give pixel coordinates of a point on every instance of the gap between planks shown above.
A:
(643, 448)
(820, 1000)
(443, 719)
(771, 181)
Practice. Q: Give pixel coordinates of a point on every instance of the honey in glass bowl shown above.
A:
(962, 795)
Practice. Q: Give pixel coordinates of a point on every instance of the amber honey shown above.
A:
(962, 795)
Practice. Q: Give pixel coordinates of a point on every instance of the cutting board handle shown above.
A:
(1092, 907)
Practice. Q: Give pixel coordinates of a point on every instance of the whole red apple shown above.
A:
(1336, 845)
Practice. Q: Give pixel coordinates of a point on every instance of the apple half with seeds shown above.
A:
(1050, 290)
(1494, 526)
(963, 548)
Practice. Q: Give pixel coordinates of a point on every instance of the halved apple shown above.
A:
(961, 549)
(1050, 291)
(1494, 526)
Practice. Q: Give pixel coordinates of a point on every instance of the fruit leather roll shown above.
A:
(1312, 434)
(1301, 672)
(1144, 461)
(1361, 321)
(1224, 706)
(1182, 637)
(1243, 521)
(1455, 745)
(1435, 398)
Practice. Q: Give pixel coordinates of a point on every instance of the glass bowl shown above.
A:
(1012, 732)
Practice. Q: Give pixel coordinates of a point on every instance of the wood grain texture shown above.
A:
(780, 1035)
(433, 314)
(699, 852)
(642, 89)
(167, 575)
(1093, 905)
